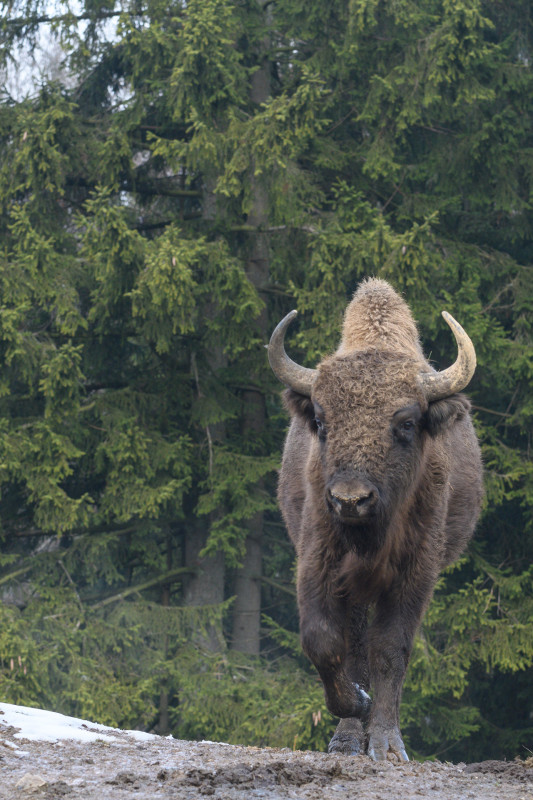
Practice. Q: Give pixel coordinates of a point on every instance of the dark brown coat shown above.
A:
(380, 488)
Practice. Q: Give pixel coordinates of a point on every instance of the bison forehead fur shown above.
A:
(358, 396)
(368, 375)
(380, 487)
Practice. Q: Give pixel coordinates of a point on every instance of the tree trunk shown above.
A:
(163, 727)
(206, 587)
(247, 608)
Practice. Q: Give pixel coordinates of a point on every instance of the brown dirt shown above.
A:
(120, 768)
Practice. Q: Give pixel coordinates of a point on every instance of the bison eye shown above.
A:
(320, 428)
(405, 431)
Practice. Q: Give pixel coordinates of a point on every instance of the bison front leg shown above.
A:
(390, 643)
(325, 633)
(349, 737)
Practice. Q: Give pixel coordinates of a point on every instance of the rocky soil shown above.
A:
(119, 767)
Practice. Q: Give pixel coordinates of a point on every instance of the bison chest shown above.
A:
(365, 581)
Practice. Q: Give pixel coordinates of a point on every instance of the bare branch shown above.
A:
(46, 19)
(168, 577)
(280, 586)
(67, 573)
(491, 411)
(207, 430)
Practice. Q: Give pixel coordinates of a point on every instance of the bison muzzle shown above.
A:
(380, 488)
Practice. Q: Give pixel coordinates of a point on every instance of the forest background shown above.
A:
(186, 174)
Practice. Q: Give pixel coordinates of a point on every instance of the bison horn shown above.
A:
(438, 385)
(290, 373)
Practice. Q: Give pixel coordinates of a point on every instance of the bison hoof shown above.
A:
(381, 743)
(349, 738)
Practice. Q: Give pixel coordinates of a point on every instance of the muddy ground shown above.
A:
(119, 768)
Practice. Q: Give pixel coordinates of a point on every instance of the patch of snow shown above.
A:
(222, 744)
(11, 745)
(141, 736)
(48, 726)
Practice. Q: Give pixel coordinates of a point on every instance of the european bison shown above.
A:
(380, 488)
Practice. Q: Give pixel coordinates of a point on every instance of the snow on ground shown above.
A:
(48, 726)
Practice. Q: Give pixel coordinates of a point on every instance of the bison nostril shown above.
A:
(366, 501)
(334, 501)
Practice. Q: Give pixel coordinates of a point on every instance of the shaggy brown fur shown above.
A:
(378, 317)
(379, 491)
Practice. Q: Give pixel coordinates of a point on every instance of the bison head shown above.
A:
(371, 412)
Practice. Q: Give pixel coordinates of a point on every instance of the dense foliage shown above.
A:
(187, 173)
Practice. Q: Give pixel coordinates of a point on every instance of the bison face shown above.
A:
(368, 414)
(372, 411)
(357, 493)
(371, 421)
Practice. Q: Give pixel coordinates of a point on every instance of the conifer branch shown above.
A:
(45, 19)
(163, 189)
(167, 577)
(281, 586)
(28, 532)
(69, 578)
(272, 229)
(491, 411)
(21, 571)
(153, 226)
(207, 430)
(337, 124)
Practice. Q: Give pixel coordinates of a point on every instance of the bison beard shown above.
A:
(380, 488)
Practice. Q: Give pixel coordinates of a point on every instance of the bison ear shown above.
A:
(299, 405)
(442, 414)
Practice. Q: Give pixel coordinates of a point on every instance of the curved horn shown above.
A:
(454, 379)
(290, 373)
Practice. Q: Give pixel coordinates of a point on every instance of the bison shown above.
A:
(380, 488)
